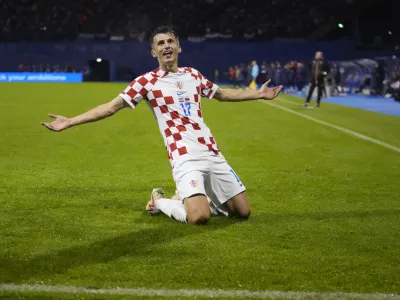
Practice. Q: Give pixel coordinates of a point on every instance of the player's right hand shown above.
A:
(60, 123)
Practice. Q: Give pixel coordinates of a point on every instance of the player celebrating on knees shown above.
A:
(198, 167)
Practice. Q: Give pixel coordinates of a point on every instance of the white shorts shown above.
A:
(211, 176)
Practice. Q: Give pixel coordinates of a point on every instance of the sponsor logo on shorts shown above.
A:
(194, 183)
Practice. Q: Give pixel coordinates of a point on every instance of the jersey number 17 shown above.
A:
(186, 108)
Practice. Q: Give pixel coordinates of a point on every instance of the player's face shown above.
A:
(166, 48)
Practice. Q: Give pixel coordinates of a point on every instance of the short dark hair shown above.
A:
(167, 29)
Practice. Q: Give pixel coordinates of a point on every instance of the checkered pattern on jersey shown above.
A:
(139, 88)
(175, 122)
(168, 112)
(206, 86)
(209, 143)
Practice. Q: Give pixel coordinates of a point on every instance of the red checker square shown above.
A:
(215, 152)
(185, 120)
(174, 115)
(143, 92)
(153, 103)
(182, 150)
(153, 81)
(169, 100)
(195, 77)
(168, 132)
(173, 147)
(134, 102)
(196, 97)
(177, 136)
(164, 109)
(199, 114)
(143, 81)
(202, 140)
(181, 128)
(198, 89)
(157, 93)
(212, 140)
(170, 123)
(196, 126)
(209, 84)
(131, 93)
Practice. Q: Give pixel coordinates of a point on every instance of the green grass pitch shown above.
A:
(325, 204)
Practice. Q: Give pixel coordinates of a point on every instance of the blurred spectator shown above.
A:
(263, 73)
(255, 71)
(335, 76)
(239, 77)
(301, 76)
(379, 78)
(291, 69)
(271, 74)
(232, 75)
(244, 74)
(393, 90)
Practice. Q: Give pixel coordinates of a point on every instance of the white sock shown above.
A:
(172, 208)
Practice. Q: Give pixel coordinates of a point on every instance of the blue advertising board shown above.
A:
(40, 77)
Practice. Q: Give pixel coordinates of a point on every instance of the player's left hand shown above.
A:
(269, 93)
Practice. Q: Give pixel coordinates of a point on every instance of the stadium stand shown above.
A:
(31, 20)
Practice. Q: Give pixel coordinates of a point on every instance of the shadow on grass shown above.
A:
(144, 242)
(134, 244)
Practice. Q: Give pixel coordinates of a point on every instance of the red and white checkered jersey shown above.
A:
(174, 99)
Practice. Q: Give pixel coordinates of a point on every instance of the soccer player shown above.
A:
(198, 167)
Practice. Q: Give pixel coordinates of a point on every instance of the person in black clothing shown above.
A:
(263, 73)
(319, 69)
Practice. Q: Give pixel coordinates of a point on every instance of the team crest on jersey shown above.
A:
(179, 85)
(194, 183)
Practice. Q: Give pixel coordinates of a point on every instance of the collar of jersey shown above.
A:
(162, 73)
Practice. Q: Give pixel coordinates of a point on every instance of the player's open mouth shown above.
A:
(167, 53)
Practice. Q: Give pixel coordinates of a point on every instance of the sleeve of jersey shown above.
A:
(136, 91)
(208, 89)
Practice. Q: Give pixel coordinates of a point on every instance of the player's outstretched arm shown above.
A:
(100, 112)
(232, 95)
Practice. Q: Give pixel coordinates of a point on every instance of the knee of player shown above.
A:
(198, 218)
(243, 213)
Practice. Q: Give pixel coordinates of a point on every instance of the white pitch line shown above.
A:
(289, 101)
(342, 129)
(65, 289)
